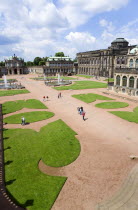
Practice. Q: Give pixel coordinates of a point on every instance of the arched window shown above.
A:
(136, 63)
(123, 60)
(131, 82)
(131, 63)
(104, 60)
(118, 80)
(137, 84)
(118, 61)
(124, 81)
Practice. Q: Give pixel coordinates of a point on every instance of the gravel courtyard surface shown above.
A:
(106, 141)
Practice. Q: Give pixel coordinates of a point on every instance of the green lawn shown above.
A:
(129, 116)
(82, 85)
(29, 116)
(55, 144)
(90, 97)
(85, 76)
(12, 92)
(112, 105)
(13, 106)
(110, 80)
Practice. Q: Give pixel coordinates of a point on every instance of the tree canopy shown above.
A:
(59, 54)
(37, 60)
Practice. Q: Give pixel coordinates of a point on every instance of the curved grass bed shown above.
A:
(29, 116)
(12, 92)
(90, 97)
(129, 116)
(79, 85)
(55, 144)
(13, 106)
(112, 105)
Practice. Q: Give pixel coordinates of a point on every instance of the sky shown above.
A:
(31, 28)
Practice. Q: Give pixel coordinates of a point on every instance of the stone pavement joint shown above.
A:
(127, 197)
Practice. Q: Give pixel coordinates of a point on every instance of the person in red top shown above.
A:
(83, 115)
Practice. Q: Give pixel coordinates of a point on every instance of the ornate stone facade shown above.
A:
(126, 76)
(15, 65)
(55, 65)
(104, 62)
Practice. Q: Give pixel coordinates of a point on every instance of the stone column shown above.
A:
(127, 81)
(121, 80)
(135, 82)
(114, 79)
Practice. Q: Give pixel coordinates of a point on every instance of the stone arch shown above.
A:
(131, 82)
(124, 81)
(118, 80)
(15, 71)
(123, 60)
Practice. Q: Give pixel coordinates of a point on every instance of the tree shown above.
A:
(37, 60)
(29, 63)
(2, 63)
(59, 54)
(41, 63)
(75, 60)
(44, 59)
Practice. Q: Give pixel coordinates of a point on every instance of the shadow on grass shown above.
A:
(8, 162)
(7, 148)
(10, 182)
(24, 205)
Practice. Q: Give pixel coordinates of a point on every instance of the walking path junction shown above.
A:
(107, 142)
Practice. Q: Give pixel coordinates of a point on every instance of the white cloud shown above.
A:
(79, 11)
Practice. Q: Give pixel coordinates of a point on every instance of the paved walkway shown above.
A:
(106, 141)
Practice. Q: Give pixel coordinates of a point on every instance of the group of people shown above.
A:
(45, 98)
(81, 112)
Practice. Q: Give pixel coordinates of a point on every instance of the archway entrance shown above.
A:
(15, 71)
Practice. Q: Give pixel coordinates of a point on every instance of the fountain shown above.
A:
(57, 82)
(5, 81)
(9, 84)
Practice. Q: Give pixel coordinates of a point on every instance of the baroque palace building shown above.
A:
(14, 65)
(119, 61)
(104, 62)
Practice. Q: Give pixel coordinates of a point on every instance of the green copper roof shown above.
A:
(134, 50)
(66, 58)
(119, 40)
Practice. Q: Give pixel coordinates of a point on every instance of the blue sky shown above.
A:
(30, 28)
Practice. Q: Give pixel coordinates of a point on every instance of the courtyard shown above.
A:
(106, 143)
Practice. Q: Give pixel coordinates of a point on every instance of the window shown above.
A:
(136, 63)
(123, 60)
(118, 61)
(131, 82)
(131, 63)
(118, 80)
(124, 81)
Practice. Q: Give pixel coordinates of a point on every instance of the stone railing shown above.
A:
(127, 70)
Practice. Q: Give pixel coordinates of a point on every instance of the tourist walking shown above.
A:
(83, 115)
(47, 98)
(23, 121)
(44, 98)
(60, 94)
